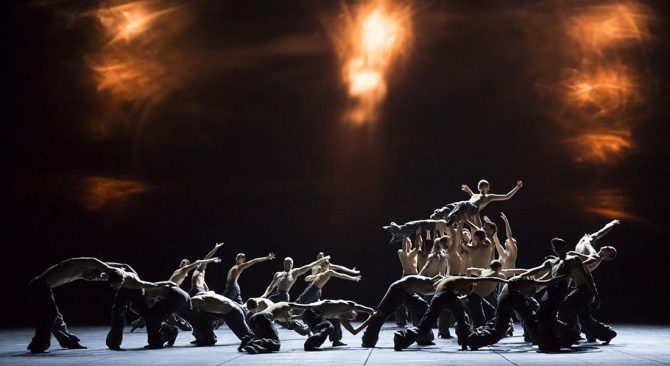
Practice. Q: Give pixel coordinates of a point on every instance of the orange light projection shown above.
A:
(602, 94)
(136, 63)
(602, 26)
(98, 191)
(369, 43)
(610, 203)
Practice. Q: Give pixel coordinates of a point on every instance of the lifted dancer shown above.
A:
(48, 318)
(470, 209)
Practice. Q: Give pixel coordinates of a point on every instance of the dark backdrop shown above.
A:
(249, 148)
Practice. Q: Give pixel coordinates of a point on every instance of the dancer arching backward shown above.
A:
(513, 298)
(284, 280)
(470, 209)
(585, 244)
(325, 318)
(592, 328)
(211, 305)
(46, 315)
(232, 290)
(552, 334)
(131, 292)
(447, 291)
(404, 291)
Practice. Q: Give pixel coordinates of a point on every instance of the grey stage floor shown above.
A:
(635, 345)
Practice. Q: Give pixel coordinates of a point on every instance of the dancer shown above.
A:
(266, 337)
(447, 291)
(479, 249)
(585, 244)
(312, 292)
(479, 309)
(198, 284)
(325, 319)
(398, 232)
(592, 328)
(507, 254)
(131, 292)
(552, 335)
(513, 298)
(408, 260)
(284, 280)
(211, 305)
(48, 318)
(403, 291)
(178, 277)
(470, 209)
(232, 290)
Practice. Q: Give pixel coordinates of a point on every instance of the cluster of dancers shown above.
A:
(450, 278)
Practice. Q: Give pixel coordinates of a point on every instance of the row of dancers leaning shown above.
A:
(450, 278)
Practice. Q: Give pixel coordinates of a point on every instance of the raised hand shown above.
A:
(519, 184)
(502, 216)
(216, 260)
(270, 256)
(358, 278)
(465, 188)
(218, 245)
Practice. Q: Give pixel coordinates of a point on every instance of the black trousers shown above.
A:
(321, 327)
(153, 316)
(549, 327)
(578, 300)
(479, 310)
(263, 327)
(508, 304)
(47, 318)
(235, 320)
(449, 301)
(233, 292)
(394, 297)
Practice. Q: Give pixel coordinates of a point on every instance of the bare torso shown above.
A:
(66, 271)
(233, 273)
(408, 260)
(480, 255)
(285, 280)
(213, 303)
(435, 265)
(418, 284)
(483, 289)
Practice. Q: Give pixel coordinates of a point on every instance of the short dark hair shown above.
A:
(115, 275)
(495, 265)
(481, 234)
(252, 303)
(558, 242)
(492, 225)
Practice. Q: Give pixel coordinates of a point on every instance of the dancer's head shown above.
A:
(240, 258)
(466, 235)
(479, 237)
(288, 264)
(252, 305)
(495, 265)
(608, 253)
(490, 228)
(483, 186)
(560, 247)
(115, 278)
(440, 244)
(320, 255)
(184, 262)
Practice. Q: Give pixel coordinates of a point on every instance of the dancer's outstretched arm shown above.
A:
(250, 263)
(510, 194)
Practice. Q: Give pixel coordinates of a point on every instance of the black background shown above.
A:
(264, 162)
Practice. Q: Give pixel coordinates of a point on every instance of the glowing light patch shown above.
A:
(99, 191)
(601, 147)
(369, 43)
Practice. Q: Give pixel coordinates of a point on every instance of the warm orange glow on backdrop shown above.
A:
(136, 64)
(370, 41)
